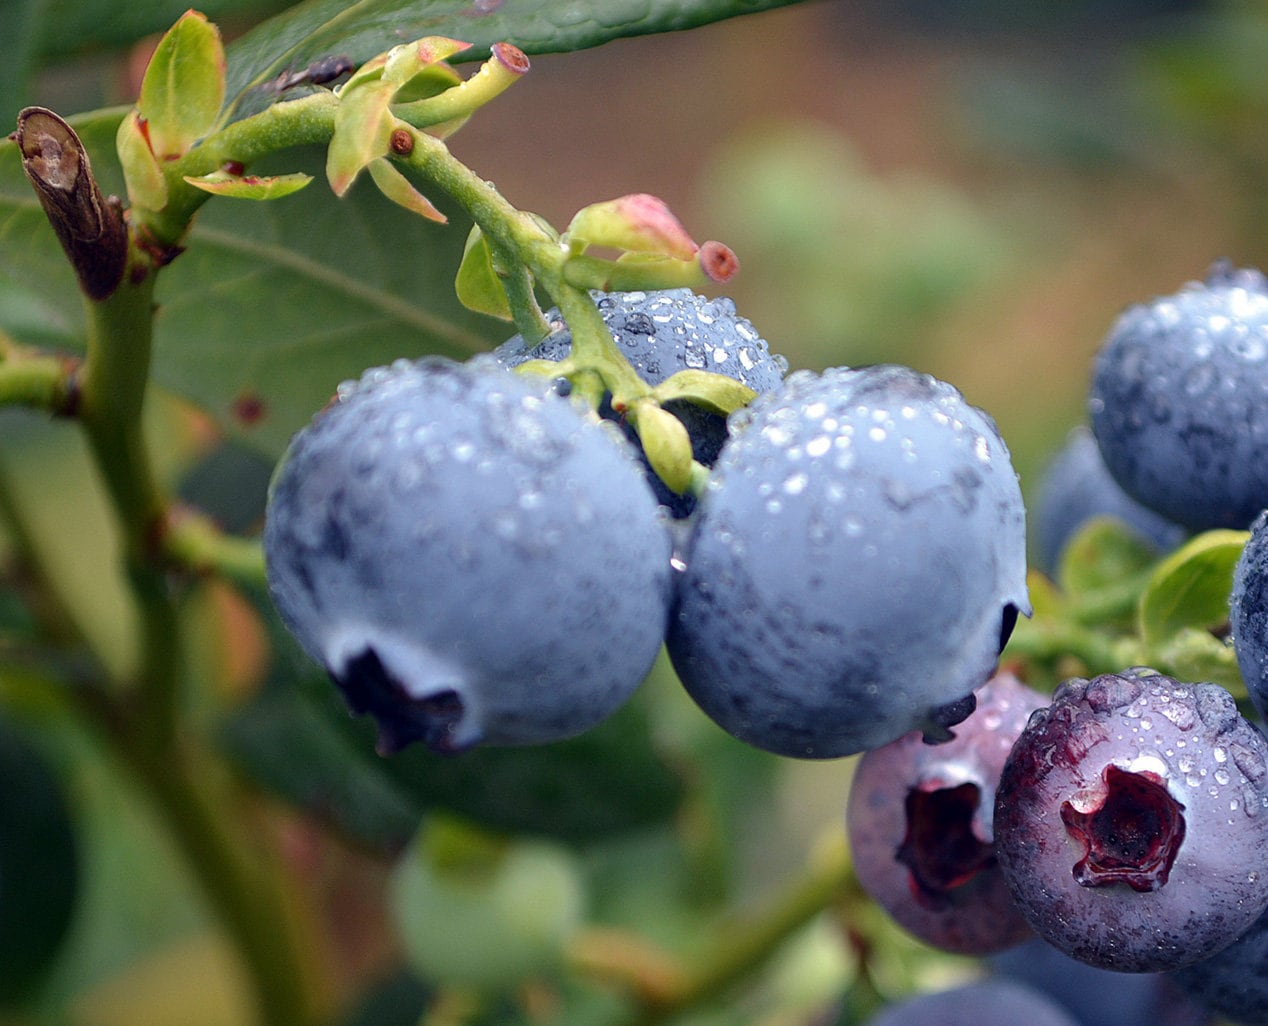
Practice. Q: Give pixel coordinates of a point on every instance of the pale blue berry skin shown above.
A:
(661, 333)
(1179, 401)
(984, 1003)
(1075, 488)
(472, 559)
(1248, 614)
(855, 561)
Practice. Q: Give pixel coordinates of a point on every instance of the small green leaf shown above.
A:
(396, 187)
(665, 442)
(363, 132)
(1197, 655)
(184, 85)
(1102, 553)
(478, 286)
(147, 188)
(409, 60)
(252, 187)
(1190, 588)
(715, 392)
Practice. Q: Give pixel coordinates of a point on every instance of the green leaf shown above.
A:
(396, 187)
(477, 285)
(147, 188)
(184, 85)
(363, 130)
(714, 392)
(252, 187)
(1101, 554)
(327, 28)
(1197, 655)
(1190, 588)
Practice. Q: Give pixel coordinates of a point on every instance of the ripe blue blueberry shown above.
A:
(984, 1003)
(1248, 614)
(661, 333)
(919, 823)
(471, 559)
(854, 566)
(1179, 401)
(1131, 821)
(1077, 487)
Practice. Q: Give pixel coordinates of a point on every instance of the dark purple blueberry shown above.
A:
(1131, 821)
(661, 333)
(854, 566)
(1179, 401)
(1248, 614)
(1076, 487)
(1233, 983)
(920, 826)
(472, 560)
(1100, 997)
(984, 1003)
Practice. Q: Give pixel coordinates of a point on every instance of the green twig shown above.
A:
(42, 382)
(665, 988)
(194, 543)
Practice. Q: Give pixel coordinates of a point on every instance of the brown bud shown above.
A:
(90, 228)
(402, 142)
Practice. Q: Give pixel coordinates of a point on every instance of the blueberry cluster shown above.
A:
(475, 557)
(1124, 819)
(479, 557)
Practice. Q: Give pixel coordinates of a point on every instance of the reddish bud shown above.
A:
(719, 262)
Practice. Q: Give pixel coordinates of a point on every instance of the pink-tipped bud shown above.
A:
(637, 223)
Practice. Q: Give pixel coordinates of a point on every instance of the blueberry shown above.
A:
(661, 333)
(470, 559)
(1233, 983)
(855, 565)
(920, 827)
(984, 1003)
(1178, 401)
(1131, 821)
(1100, 997)
(1076, 487)
(1248, 614)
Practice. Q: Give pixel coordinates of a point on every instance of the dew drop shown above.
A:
(796, 483)
(818, 446)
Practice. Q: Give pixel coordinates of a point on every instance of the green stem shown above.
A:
(43, 382)
(183, 782)
(745, 946)
(196, 803)
(194, 542)
(112, 395)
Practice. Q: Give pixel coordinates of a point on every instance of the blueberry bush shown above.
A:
(415, 612)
